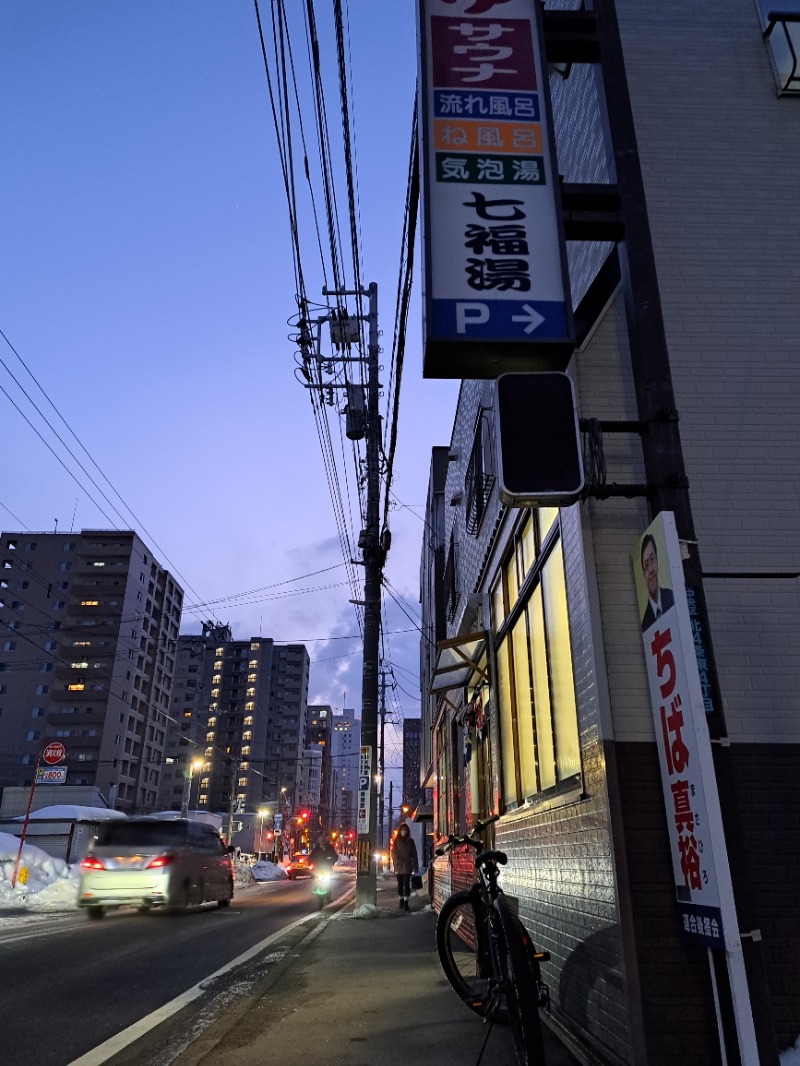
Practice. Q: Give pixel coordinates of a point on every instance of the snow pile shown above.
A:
(267, 871)
(43, 883)
(368, 910)
(73, 812)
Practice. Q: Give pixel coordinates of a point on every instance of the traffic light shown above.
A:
(539, 446)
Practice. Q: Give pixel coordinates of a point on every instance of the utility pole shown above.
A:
(374, 547)
(381, 762)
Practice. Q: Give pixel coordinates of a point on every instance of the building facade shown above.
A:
(318, 738)
(550, 723)
(345, 744)
(89, 626)
(412, 754)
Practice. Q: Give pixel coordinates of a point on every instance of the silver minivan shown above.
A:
(155, 862)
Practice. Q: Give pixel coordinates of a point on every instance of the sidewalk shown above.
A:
(361, 992)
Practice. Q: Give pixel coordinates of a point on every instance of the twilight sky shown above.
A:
(146, 282)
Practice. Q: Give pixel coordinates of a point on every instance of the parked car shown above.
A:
(152, 862)
(298, 867)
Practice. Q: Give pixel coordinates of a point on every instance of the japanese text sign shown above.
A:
(496, 290)
(364, 772)
(680, 726)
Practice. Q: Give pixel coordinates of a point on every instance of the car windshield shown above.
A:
(143, 835)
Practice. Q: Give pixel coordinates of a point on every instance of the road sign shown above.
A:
(54, 752)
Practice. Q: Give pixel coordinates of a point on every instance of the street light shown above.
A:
(263, 812)
(195, 764)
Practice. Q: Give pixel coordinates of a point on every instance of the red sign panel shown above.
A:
(54, 753)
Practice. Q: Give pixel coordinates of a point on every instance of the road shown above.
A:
(70, 984)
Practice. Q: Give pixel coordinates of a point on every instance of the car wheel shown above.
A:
(182, 900)
(223, 902)
(144, 908)
(95, 913)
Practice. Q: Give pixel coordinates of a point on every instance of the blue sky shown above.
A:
(146, 281)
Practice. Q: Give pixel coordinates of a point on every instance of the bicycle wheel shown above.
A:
(467, 968)
(520, 988)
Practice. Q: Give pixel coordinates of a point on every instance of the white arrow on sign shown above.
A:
(532, 317)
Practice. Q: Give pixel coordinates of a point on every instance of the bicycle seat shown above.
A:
(483, 857)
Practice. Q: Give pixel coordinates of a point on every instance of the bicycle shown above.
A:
(488, 956)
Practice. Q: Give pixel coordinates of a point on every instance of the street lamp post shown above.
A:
(263, 812)
(196, 764)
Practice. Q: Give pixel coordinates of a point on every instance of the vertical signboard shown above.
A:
(690, 792)
(495, 274)
(364, 770)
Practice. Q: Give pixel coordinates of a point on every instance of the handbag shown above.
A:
(416, 882)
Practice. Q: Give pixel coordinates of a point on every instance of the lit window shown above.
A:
(79, 666)
(208, 752)
(220, 651)
(244, 765)
(249, 706)
(246, 749)
(203, 800)
(212, 722)
(203, 782)
(253, 664)
(98, 564)
(215, 693)
(248, 720)
(247, 735)
(77, 687)
(90, 603)
(216, 679)
(218, 664)
(254, 646)
(210, 736)
(242, 782)
(250, 692)
(81, 643)
(540, 753)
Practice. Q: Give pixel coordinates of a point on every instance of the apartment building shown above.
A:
(288, 715)
(538, 700)
(89, 624)
(318, 737)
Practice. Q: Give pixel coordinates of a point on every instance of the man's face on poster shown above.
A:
(650, 569)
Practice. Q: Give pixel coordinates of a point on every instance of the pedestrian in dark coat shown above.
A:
(405, 862)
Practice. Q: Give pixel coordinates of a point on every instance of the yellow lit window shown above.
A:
(242, 782)
(215, 693)
(254, 646)
(81, 643)
(210, 736)
(212, 722)
(253, 664)
(220, 651)
(248, 720)
(203, 800)
(79, 666)
(245, 749)
(218, 664)
(77, 687)
(216, 679)
(252, 677)
(247, 735)
(208, 752)
(250, 692)
(244, 765)
(249, 706)
(90, 603)
(204, 782)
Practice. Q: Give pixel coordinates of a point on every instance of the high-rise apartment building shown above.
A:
(188, 718)
(288, 710)
(88, 632)
(412, 752)
(318, 737)
(345, 744)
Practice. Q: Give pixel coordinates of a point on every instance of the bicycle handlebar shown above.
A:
(469, 838)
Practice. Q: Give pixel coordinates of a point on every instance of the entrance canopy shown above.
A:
(457, 660)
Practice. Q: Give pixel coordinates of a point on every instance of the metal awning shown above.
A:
(457, 660)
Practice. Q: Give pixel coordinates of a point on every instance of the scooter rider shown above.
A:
(323, 856)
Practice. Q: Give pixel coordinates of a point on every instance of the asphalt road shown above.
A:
(69, 984)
